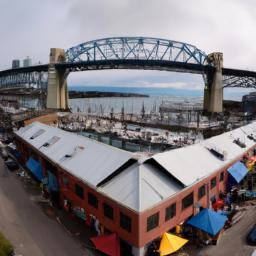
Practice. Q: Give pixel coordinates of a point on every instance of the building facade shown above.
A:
(15, 63)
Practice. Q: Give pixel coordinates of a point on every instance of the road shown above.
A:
(23, 222)
(233, 241)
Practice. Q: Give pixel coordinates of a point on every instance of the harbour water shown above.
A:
(101, 106)
(134, 105)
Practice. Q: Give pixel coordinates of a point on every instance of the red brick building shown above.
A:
(137, 196)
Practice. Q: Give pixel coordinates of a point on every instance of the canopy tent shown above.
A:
(36, 168)
(170, 243)
(209, 221)
(108, 244)
(238, 171)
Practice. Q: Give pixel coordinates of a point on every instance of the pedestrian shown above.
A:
(97, 226)
(92, 222)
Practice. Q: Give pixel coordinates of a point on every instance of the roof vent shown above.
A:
(221, 155)
(239, 143)
(250, 137)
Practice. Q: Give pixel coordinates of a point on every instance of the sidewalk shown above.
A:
(71, 224)
(25, 224)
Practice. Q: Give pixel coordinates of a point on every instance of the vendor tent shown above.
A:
(238, 171)
(108, 244)
(209, 221)
(35, 167)
(170, 243)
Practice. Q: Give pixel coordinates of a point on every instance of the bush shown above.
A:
(6, 249)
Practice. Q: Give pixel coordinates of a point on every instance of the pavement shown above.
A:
(29, 229)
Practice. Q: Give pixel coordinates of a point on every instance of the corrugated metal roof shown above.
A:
(195, 162)
(141, 186)
(90, 160)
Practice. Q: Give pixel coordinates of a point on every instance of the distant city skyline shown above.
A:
(31, 28)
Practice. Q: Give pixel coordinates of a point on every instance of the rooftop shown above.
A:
(134, 180)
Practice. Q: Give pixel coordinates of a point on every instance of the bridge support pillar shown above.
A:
(57, 93)
(213, 92)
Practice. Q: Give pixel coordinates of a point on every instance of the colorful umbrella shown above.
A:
(209, 221)
(109, 244)
(170, 244)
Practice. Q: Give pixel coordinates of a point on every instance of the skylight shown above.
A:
(51, 141)
(38, 133)
(72, 153)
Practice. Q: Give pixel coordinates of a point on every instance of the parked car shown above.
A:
(12, 165)
(251, 237)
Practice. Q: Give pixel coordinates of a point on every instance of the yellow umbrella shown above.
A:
(170, 243)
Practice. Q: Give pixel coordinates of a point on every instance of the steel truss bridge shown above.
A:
(127, 53)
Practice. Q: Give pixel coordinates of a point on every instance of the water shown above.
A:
(131, 104)
(134, 104)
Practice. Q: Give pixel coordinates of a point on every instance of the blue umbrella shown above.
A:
(238, 171)
(209, 221)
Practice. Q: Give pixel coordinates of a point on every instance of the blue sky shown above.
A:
(32, 27)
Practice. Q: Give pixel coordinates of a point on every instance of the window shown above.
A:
(108, 211)
(187, 201)
(79, 191)
(213, 182)
(50, 167)
(170, 212)
(92, 200)
(65, 181)
(125, 222)
(152, 221)
(201, 192)
(35, 156)
(221, 176)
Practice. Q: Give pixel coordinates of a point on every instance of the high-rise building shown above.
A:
(15, 63)
(27, 62)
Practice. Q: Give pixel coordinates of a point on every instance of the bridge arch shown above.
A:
(135, 48)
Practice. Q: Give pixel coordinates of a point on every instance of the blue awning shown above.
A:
(238, 171)
(36, 168)
(53, 184)
(209, 221)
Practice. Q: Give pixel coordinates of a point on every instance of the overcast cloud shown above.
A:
(32, 27)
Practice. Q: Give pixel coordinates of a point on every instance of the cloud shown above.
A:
(32, 27)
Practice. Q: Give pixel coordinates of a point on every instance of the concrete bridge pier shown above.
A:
(57, 92)
(213, 92)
